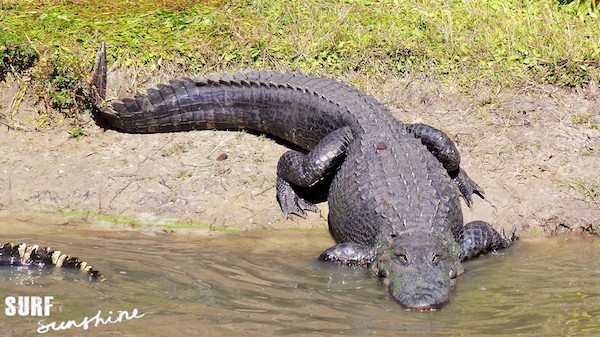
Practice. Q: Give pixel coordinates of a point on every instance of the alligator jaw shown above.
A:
(418, 302)
(426, 308)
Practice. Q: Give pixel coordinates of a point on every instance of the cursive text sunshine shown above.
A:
(86, 322)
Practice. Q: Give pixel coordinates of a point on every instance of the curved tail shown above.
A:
(32, 255)
(298, 108)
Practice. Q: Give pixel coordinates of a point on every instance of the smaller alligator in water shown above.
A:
(34, 256)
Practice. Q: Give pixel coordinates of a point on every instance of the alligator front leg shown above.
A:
(444, 149)
(350, 254)
(296, 169)
(479, 237)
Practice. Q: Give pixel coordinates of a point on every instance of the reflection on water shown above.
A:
(269, 284)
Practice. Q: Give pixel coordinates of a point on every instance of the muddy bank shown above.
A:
(535, 151)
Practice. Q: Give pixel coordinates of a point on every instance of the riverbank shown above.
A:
(534, 151)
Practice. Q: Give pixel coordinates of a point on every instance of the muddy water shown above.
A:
(268, 284)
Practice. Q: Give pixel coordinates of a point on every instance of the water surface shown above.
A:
(268, 283)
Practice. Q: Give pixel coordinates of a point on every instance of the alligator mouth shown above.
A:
(425, 308)
(421, 303)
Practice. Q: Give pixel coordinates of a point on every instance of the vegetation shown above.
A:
(162, 225)
(51, 44)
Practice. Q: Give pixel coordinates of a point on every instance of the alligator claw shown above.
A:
(290, 202)
(298, 206)
(508, 240)
(467, 187)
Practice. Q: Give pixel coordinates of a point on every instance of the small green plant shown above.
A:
(15, 58)
(61, 85)
(77, 132)
(580, 8)
(535, 232)
(587, 119)
(184, 174)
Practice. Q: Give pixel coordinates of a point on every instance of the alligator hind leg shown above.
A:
(479, 237)
(444, 149)
(296, 169)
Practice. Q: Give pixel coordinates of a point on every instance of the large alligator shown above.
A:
(393, 188)
(33, 256)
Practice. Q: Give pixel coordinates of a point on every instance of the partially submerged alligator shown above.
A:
(32, 256)
(394, 188)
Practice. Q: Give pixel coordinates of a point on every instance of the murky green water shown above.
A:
(269, 284)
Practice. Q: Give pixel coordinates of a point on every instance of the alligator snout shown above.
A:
(420, 293)
(422, 301)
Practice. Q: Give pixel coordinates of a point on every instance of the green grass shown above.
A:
(133, 222)
(129, 221)
(469, 42)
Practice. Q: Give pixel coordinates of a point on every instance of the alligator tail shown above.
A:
(298, 108)
(32, 255)
(99, 80)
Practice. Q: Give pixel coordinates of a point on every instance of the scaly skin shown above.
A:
(34, 256)
(394, 196)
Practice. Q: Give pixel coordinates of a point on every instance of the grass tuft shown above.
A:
(589, 190)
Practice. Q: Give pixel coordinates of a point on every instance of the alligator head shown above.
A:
(418, 270)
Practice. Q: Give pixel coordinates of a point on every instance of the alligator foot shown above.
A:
(466, 186)
(290, 202)
(479, 237)
(297, 169)
(350, 254)
(444, 150)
